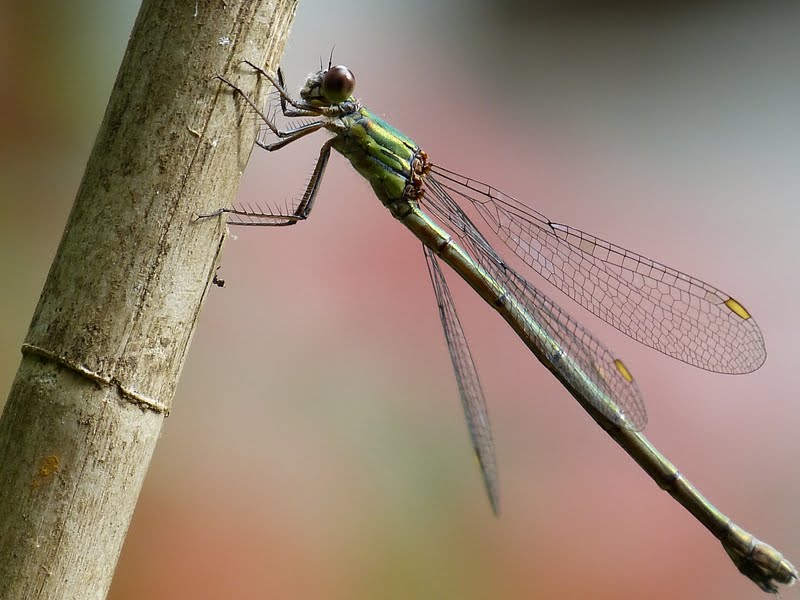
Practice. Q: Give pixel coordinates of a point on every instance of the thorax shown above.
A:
(378, 151)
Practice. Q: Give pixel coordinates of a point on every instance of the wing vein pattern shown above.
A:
(656, 305)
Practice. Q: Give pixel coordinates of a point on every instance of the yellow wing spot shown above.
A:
(737, 308)
(623, 370)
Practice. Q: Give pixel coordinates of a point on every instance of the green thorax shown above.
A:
(377, 150)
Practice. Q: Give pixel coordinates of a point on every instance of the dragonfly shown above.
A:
(661, 307)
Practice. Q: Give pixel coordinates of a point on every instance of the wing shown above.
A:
(656, 305)
(469, 386)
(559, 337)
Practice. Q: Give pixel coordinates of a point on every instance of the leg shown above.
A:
(287, 112)
(291, 135)
(288, 136)
(307, 203)
(301, 109)
(255, 217)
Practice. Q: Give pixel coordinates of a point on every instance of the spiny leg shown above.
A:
(301, 212)
(262, 219)
(301, 109)
(291, 135)
(307, 203)
(287, 136)
(286, 112)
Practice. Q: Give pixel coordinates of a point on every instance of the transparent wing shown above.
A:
(565, 342)
(656, 305)
(469, 386)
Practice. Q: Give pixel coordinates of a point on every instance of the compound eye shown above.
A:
(338, 84)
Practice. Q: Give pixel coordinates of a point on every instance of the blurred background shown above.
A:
(316, 448)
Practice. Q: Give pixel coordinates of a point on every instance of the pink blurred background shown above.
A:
(316, 448)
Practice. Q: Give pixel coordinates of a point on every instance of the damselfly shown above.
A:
(660, 307)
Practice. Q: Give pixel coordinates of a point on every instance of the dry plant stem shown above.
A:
(110, 335)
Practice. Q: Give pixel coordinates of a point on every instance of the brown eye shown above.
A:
(338, 84)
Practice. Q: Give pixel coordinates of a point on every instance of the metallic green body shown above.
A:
(384, 156)
(377, 150)
(396, 169)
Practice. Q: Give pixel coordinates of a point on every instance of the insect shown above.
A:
(665, 309)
